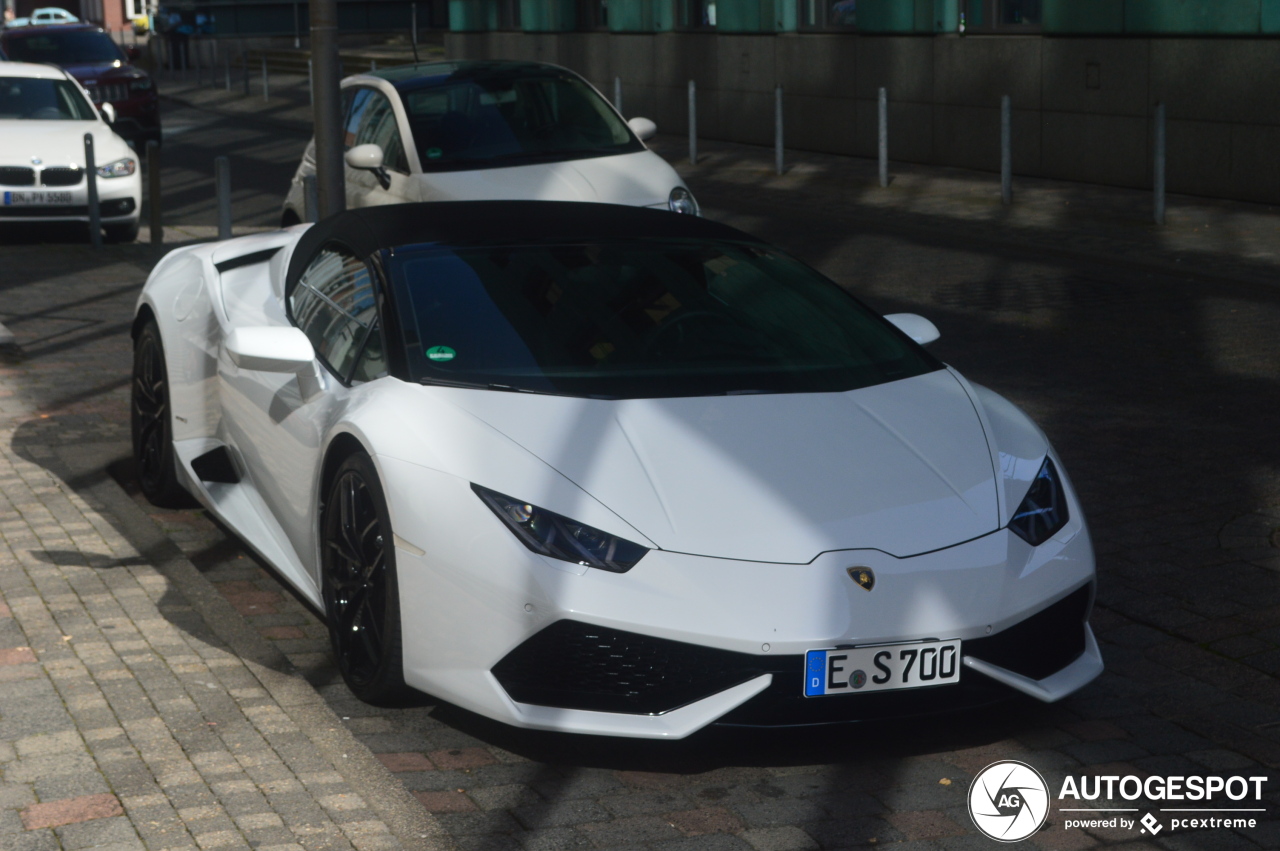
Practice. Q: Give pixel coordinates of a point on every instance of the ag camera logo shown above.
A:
(1008, 801)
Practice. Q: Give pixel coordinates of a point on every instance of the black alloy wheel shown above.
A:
(149, 420)
(361, 595)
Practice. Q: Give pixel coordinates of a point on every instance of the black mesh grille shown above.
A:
(576, 666)
(1041, 645)
(61, 176)
(16, 175)
(39, 212)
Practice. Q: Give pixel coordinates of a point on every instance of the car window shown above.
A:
(354, 103)
(43, 100)
(74, 47)
(378, 126)
(632, 319)
(509, 119)
(333, 303)
(373, 359)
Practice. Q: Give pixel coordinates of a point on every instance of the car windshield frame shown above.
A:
(499, 119)
(17, 49)
(609, 319)
(66, 95)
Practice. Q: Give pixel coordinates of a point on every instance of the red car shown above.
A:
(104, 68)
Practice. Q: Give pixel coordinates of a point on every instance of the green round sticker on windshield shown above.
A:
(434, 153)
(441, 353)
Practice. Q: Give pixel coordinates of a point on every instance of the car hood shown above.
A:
(903, 467)
(639, 179)
(57, 142)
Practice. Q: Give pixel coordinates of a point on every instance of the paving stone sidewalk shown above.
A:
(133, 716)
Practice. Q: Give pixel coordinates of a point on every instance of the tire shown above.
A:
(127, 232)
(361, 594)
(151, 425)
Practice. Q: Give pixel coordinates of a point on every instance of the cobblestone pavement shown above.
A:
(1157, 385)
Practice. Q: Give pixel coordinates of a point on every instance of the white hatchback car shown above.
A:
(490, 131)
(44, 116)
(41, 17)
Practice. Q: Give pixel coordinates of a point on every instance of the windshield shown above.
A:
(77, 47)
(486, 122)
(43, 100)
(640, 319)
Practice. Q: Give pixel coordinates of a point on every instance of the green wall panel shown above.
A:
(1271, 16)
(643, 16)
(1192, 17)
(886, 16)
(908, 16)
(1083, 16)
(548, 16)
(755, 16)
(473, 15)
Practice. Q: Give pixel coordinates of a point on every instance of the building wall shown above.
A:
(1082, 106)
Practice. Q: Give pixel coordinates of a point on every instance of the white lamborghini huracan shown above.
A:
(610, 470)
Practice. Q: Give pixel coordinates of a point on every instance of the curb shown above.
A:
(84, 468)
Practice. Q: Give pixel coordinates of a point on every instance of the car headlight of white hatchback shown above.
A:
(681, 200)
(550, 534)
(119, 168)
(1043, 510)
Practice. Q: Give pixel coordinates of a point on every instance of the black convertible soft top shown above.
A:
(368, 230)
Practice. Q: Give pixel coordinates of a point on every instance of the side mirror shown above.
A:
(643, 128)
(364, 157)
(270, 349)
(914, 326)
(108, 112)
(133, 54)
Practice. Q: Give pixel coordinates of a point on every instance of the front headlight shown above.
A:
(1043, 510)
(681, 201)
(119, 168)
(550, 534)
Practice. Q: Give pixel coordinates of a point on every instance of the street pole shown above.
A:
(1006, 150)
(324, 54)
(91, 173)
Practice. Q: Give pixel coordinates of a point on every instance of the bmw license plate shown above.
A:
(882, 667)
(36, 199)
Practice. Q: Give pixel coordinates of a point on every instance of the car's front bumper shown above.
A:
(119, 201)
(475, 605)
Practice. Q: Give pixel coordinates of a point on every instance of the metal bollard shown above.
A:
(617, 94)
(153, 192)
(222, 184)
(195, 43)
(244, 63)
(882, 134)
(373, 65)
(266, 91)
(777, 129)
(228, 69)
(310, 198)
(1159, 158)
(1006, 151)
(693, 123)
(311, 82)
(91, 171)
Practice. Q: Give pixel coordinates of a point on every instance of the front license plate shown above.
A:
(36, 199)
(854, 670)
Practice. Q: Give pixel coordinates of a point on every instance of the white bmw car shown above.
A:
(600, 469)
(490, 130)
(44, 116)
